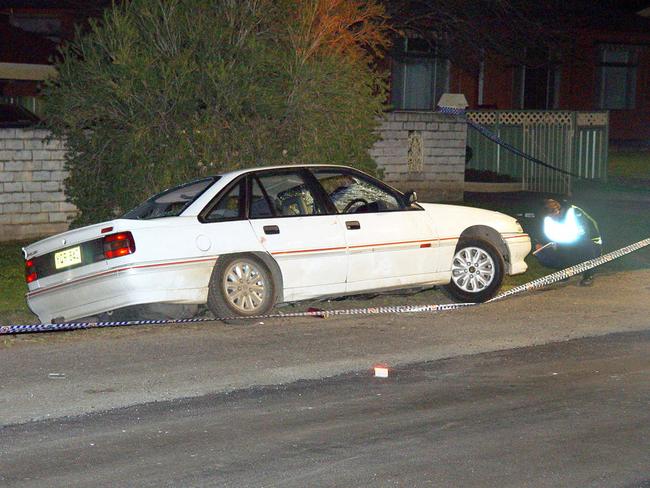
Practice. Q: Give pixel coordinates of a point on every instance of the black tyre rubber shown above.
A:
(220, 305)
(483, 294)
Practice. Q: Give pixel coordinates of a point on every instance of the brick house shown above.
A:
(32, 202)
(606, 66)
(30, 33)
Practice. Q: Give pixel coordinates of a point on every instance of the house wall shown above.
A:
(32, 203)
(425, 152)
(578, 84)
(497, 86)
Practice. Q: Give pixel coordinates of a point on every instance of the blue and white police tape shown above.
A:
(487, 133)
(572, 270)
(395, 309)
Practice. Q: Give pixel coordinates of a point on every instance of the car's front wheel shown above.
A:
(476, 271)
(240, 286)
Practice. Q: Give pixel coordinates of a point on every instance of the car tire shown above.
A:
(476, 271)
(241, 285)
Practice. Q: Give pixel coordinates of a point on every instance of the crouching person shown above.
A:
(569, 236)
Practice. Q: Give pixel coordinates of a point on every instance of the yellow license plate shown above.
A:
(66, 258)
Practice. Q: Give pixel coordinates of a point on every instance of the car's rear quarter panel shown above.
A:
(173, 262)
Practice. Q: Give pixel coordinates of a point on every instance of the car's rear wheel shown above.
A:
(476, 271)
(240, 286)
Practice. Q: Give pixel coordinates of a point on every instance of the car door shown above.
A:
(289, 217)
(390, 243)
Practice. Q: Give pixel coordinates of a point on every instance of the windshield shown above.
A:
(172, 202)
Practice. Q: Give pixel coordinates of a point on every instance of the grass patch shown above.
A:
(13, 307)
(535, 270)
(632, 165)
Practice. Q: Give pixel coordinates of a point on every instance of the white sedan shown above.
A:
(243, 241)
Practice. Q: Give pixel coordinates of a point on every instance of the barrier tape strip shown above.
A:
(485, 132)
(395, 309)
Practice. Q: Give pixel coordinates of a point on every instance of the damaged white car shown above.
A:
(244, 241)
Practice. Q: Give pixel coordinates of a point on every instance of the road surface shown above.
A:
(564, 414)
(72, 373)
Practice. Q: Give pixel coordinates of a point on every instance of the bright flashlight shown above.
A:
(565, 231)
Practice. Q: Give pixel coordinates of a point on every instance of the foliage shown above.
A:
(161, 91)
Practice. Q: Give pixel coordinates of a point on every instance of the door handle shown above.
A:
(352, 225)
(271, 229)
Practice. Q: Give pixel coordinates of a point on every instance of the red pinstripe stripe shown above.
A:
(308, 250)
(360, 246)
(391, 243)
(118, 270)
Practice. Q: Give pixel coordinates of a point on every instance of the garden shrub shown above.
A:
(158, 92)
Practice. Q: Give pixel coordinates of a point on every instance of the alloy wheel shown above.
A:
(472, 269)
(244, 286)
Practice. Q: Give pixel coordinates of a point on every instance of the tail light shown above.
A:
(30, 271)
(120, 244)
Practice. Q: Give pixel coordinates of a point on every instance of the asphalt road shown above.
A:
(73, 373)
(546, 389)
(563, 414)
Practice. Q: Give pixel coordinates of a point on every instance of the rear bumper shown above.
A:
(179, 282)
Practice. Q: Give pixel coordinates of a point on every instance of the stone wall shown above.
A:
(32, 203)
(425, 152)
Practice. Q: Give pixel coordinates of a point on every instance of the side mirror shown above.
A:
(411, 197)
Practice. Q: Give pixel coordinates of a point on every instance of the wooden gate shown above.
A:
(572, 141)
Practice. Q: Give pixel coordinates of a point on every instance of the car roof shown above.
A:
(235, 173)
(224, 179)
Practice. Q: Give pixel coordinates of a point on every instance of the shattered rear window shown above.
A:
(171, 202)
